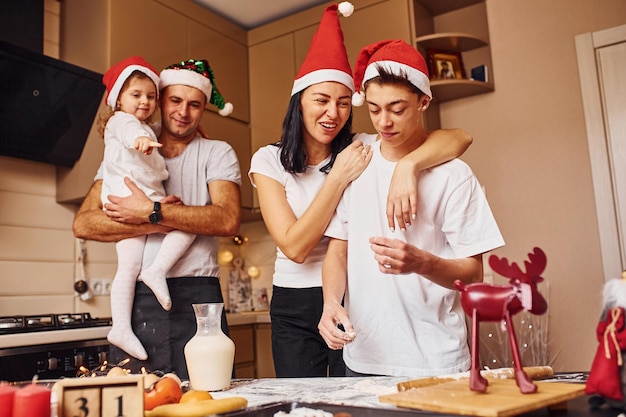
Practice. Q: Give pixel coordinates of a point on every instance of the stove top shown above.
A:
(50, 322)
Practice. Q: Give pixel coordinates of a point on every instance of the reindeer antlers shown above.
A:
(537, 263)
(502, 267)
(534, 268)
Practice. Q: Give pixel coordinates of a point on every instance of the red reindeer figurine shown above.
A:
(488, 302)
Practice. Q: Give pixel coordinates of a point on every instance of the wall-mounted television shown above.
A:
(47, 106)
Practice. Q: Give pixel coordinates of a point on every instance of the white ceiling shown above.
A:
(252, 13)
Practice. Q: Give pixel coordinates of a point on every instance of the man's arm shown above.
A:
(397, 257)
(91, 222)
(334, 281)
(220, 218)
(440, 146)
(128, 216)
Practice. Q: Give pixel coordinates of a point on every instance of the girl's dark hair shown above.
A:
(292, 153)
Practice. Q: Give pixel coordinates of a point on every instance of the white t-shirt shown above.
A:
(300, 190)
(121, 159)
(405, 324)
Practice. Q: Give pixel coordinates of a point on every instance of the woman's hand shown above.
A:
(402, 196)
(352, 161)
(440, 146)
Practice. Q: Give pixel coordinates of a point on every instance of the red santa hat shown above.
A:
(397, 57)
(196, 73)
(115, 77)
(327, 59)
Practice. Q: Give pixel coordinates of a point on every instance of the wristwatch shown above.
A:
(156, 216)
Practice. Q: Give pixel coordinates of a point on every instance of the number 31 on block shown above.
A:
(100, 396)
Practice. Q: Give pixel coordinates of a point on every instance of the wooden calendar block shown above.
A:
(77, 401)
(100, 396)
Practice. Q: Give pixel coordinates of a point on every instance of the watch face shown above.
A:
(156, 217)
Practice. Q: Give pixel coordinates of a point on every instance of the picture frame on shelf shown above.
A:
(480, 73)
(445, 65)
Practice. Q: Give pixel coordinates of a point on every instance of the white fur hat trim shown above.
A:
(416, 77)
(322, 75)
(121, 79)
(186, 77)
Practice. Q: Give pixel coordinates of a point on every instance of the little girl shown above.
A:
(130, 143)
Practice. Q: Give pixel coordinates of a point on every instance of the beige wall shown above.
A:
(530, 152)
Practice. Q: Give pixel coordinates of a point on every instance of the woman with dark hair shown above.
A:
(300, 180)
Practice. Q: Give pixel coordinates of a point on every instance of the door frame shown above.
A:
(586, 45)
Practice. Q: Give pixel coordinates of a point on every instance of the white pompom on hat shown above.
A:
(327, 59)
(614, 292)
(116, 76)
(196, 73)
(397, 57)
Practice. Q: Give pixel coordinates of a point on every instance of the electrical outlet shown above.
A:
(95, 285)
(100, 286)
(106, 286)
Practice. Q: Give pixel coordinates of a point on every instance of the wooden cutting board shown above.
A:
(503, 398)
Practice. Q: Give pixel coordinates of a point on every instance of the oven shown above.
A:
(51, 346)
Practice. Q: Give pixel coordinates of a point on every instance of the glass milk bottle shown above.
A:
(209, 353)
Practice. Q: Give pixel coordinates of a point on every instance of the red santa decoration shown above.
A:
(604, 383)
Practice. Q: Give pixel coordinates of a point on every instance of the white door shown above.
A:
(601, 62)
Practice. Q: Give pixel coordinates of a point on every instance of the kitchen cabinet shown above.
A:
(459, 27)
(264, 359)
(243, 336)
(99, 33)
(252, 336)
(271, 74)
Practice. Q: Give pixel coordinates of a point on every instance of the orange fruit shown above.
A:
(164, 391)
(195, 395)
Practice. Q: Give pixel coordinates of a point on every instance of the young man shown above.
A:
(204, 176)
(402, 315)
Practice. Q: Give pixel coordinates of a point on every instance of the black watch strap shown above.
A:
(156, 216)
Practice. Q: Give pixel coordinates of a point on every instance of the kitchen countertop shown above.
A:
(100, 332)
(248, 317)
(355, 392)
(42, 338)
(348, 390)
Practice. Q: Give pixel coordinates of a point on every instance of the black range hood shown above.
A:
(47, 106)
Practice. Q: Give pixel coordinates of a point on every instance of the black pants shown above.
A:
(297, 347)
(165, 333)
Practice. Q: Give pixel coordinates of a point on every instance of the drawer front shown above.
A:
(243, 336)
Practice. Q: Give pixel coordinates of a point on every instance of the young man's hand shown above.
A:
(335, 326)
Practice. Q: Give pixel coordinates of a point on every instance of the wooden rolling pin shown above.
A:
(533, 372)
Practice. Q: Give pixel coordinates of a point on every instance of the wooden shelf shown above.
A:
(437, 7)
(451, 41)
(446, 90)
(454, 27)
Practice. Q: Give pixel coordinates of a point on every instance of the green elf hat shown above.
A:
(196, 73)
